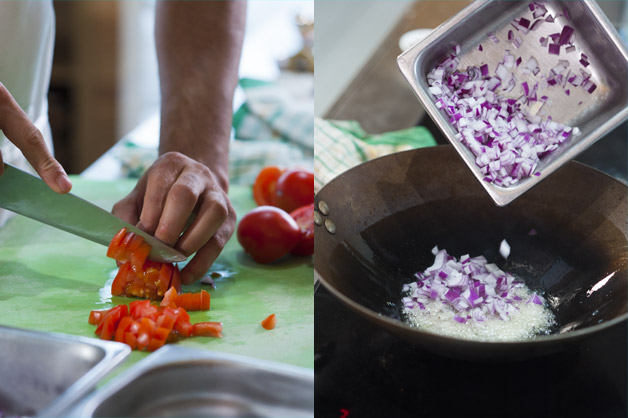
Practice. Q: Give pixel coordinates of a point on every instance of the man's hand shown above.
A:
(198, 50)
(171, 190)
(20, 130)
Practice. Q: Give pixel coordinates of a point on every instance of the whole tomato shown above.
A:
(294, 188)
(265, 183)
(305, 219)
(268, 233)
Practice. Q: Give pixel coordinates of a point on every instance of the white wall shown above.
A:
(346, 34)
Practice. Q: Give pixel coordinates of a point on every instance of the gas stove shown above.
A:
(363, 371)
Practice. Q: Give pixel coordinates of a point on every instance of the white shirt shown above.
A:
(27, 30)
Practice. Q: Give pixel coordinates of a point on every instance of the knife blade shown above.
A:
(28, 195)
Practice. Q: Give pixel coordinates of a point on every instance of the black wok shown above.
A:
(387, 214)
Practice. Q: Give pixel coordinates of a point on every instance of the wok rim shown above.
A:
(537, 341)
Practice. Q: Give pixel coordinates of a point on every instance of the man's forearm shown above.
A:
(198, 50)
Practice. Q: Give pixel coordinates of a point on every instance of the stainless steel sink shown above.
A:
(43, 373)
(182, 382)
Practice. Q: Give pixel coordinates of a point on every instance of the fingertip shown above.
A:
(64, 183)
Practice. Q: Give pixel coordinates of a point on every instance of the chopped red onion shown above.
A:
(537, 9)
(472, 287)
(480, 47)
(492, 37)
(549, 19)
(554, 49)
(565, 35)
(536, 24)
(507, 136)
(523, 22)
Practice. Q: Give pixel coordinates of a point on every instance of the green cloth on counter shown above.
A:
(341, 145)
(274, 126)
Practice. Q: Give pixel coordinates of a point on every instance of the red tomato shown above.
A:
(305, 219)
(264, 187)
(139, 277)
(184, 329)
(170, 297)
(207, 329)
(268, 233)
(115, 242)
(269, 322)
(295, 188)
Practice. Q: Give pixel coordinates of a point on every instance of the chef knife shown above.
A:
(28, 195)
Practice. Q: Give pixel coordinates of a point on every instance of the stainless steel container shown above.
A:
(599, 112)
(182, 382)
(43, 373)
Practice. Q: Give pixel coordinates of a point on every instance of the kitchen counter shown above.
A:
(50, 280)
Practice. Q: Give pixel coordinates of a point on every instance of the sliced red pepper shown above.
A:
(269, 322)
(207, 329)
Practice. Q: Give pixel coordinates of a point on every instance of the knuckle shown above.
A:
(221, 238)
(184, 191)
(220, 210)
(32, 136)
(147, 223)
(173, 157)
(164, 230)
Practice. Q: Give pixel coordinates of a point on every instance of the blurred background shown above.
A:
(357, 76)
(104, 79)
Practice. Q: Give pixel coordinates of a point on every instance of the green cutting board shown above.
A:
(50, 280)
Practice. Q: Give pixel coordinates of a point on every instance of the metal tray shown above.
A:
(182, 382)
(599, 112)
(43, 373)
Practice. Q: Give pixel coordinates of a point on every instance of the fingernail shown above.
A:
(64, 183)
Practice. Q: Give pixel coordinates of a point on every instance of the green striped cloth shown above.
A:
(274, 126)
(341, 145)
